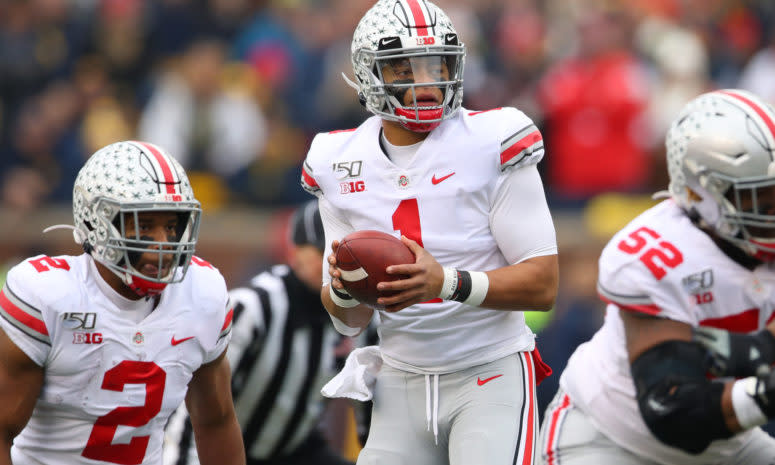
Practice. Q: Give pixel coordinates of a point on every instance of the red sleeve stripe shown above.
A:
(307, 181)
(521, 144)
(648, 309)
(227, 323)
(764, 113)
(640, 303)
(24, 317)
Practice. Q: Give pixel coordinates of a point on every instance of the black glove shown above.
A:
(736, 354)
(763, 391)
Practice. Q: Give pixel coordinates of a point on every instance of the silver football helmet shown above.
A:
(414, 32)
(721, 162)
(116, 184)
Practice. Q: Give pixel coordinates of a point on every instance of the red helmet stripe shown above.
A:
(762, 112)
(166, 169)
(420, 23)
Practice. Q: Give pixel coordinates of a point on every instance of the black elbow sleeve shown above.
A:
(677, 402)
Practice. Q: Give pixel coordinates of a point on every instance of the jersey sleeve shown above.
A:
(214, 308)
(308, 180)
(24, 310)
(627, 282)
(520, 219)
(521, 143)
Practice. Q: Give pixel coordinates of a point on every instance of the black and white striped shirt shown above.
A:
(281, 354)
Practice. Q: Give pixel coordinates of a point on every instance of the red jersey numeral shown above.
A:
(99, 445)
(657, 256)
(406, 220)
(40, 264)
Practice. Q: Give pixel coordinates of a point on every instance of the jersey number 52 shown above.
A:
(657, 256)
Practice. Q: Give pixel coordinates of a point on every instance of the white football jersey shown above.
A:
(110, 383)
(446, 200)
(661, 264)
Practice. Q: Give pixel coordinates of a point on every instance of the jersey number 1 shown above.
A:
(406, 220)
(100, 446)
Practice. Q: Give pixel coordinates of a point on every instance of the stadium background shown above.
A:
(237, 88)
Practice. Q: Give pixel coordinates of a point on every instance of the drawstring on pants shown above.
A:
(432, 405)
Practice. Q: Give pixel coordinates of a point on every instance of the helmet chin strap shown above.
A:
(143, 287)
(430, 114)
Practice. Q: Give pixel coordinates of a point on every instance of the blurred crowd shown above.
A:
(237, 88)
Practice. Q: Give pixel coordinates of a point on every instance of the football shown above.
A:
(362, 257)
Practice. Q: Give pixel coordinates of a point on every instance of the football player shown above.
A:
(462, 190)
(638, 392)
(97, 350)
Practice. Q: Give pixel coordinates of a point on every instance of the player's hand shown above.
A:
(333, 271)
(736, 354)
(762, 389)
(425, 277)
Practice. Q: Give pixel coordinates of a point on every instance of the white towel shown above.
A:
(357, 378)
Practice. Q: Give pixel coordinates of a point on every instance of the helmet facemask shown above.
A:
(118, 244)
(750, 212)
(396, 74)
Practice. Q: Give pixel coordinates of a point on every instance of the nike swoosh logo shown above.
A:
(482, 382)
(436, 180)
(389, 41)
(175, 342)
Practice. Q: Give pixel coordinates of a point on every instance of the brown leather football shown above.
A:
(362, 257)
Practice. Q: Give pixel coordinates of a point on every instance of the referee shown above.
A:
(281, 354)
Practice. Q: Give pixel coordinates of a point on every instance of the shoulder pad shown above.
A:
(521, 143)
(31, 288)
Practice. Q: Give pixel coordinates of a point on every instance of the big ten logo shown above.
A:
(348, 169)
(426, 40)
(703, 298)
(87, 338)
(79, 320)
(352, 186)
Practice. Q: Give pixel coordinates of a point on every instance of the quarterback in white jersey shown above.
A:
(637, 392)
(462, 190)
(97, 350)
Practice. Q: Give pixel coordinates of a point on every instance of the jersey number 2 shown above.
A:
(99, 446)
(663, 252)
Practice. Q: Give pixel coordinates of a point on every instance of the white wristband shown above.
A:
(342, 298)
(343, 328)
(449, 285)
(480, 284)
(746, 409)
(468, 287)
